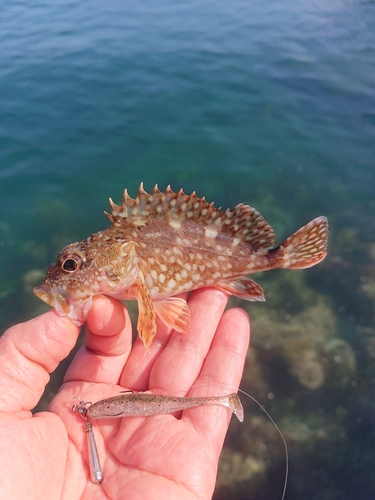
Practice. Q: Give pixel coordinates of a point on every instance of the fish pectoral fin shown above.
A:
(174, 312)
(146, 325)
(244, 288)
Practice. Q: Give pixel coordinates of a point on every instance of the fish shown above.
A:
(164, 243)
(145, 404)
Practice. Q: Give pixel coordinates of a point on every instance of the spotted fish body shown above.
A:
(162, 244)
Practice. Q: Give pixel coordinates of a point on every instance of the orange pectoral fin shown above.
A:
(244, 288)
(146, 325)
(174, 312)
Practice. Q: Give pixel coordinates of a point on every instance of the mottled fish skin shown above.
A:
(162, 244)
(145, 404)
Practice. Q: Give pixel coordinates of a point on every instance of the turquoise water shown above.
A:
(268, 104)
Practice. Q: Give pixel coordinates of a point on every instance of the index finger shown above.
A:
(108, 342)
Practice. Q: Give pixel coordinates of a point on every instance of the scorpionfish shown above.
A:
(164, 243)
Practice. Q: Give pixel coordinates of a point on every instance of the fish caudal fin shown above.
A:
(235, 405)
(306, 247)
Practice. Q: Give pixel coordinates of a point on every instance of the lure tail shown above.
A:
(235, 405)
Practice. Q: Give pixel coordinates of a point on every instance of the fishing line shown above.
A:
(281, 435)
(276, 427)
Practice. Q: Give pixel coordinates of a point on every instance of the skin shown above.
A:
(44, 456)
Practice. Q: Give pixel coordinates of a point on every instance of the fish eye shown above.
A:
(70, 264)
(70, 260)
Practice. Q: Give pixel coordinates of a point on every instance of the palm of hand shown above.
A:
(141, 457)
(144, 456)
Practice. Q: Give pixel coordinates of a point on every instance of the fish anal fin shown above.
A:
(306, 247)
(146, 325)
(244, 288)
(174, 312)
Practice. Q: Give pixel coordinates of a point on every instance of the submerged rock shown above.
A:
(234, 467)
(341, 362)
(298, 341)
(308, 369)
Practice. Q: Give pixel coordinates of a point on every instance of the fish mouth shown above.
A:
(65, 305)
(43, 292)
(54, 297)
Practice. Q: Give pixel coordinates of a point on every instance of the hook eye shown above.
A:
(81, 407)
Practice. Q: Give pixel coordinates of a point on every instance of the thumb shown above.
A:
(29, 352)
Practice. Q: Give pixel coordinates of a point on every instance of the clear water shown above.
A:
(271, 104)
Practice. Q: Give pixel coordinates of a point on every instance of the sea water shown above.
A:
(270, 104)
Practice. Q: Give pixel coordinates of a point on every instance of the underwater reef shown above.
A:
(312, 365)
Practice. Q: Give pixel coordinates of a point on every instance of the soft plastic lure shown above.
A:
(144, 404)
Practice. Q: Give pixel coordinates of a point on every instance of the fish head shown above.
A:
(85, 269)
(68, 285)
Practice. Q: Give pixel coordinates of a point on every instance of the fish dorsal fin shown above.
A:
(245, 224)
(242, 222)
(169, 205)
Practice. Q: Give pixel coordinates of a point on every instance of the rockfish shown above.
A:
(145, 404)
(162, 244)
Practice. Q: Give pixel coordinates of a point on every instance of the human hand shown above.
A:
(45, 455)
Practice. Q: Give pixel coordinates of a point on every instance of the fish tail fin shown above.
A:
(235, 405)
(306, 247)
